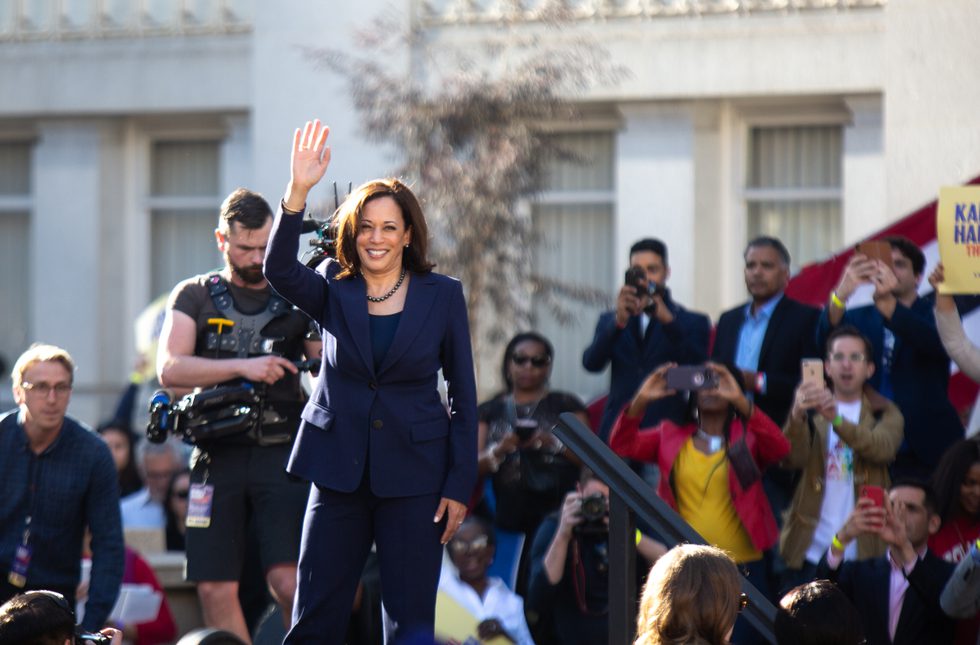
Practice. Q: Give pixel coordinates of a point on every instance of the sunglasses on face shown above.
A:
(536, 361)
(475, 546)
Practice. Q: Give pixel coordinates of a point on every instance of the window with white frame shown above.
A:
(573, 225)
(184, 201)
(15, 274)
(793, 188)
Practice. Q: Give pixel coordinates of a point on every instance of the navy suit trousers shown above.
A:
(338, 531)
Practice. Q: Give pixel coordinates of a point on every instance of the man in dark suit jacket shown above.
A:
(911, 365)
(767, 336)
(645, 331)
(896, 594)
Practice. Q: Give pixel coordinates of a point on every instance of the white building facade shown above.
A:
(123, 123)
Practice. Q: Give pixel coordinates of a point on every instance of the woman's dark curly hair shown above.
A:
(950, 473)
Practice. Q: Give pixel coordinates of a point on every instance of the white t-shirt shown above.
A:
(838, 492)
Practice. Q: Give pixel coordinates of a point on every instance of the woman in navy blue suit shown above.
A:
(389, 463)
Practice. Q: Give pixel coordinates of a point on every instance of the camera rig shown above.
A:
(324, 242)
(216, 413)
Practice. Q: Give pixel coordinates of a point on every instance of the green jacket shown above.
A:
(874, 441)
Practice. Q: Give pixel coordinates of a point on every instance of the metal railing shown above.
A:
(630, 498)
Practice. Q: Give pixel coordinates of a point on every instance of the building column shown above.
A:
(655, 187)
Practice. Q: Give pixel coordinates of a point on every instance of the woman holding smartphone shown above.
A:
(711, 466)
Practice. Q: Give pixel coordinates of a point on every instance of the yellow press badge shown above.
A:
(958, 234)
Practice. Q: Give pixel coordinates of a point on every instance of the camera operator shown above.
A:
(46, 618)
(646, 329)
(230, 329)
(568, 591)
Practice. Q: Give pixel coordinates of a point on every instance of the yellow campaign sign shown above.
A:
(958, 234)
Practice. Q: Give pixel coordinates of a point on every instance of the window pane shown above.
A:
(184, 168)
(183, 245)
(14, 288)
(797, 157)
(574, 246)
(810, 230)
(592, 168)
(15, 169)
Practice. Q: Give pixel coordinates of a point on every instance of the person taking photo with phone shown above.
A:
(843, 438)
(711, 466)
(911, 365)
(896, 594)
(528, 466)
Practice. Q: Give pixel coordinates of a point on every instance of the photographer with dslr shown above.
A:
(228, 333)
(46, 618)
(646, 329)
(568, 594)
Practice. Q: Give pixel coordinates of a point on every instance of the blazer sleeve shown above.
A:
(292, 279)
(917, 330)
(876, 439)
(598, 354)
(800, 438)
(457, 369)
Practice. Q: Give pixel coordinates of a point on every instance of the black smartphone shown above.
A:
(691, 377)
(524, 428)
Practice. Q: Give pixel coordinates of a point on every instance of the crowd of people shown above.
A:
(814, 450)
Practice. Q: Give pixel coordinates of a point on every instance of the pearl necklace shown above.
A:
(401, 279)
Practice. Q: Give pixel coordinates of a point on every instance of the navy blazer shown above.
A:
(789, 338)
(391, 418)
(919, 373)
(867, 584)
(632, 358)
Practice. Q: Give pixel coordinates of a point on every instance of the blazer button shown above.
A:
(378, 424)
(373, 385)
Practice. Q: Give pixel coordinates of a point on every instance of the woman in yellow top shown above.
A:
(711, 466)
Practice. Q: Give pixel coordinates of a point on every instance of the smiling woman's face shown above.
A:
(381, 236)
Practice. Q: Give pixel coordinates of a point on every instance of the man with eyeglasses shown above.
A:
(843, 438)
(645, 330)
(911, 365)
(56, 478)
(499, 610)
(898, 593)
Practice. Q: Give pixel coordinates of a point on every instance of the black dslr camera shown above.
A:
(636, 277)
(594, 510)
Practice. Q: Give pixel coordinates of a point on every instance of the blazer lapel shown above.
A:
(772, 330)
(422, 291)
(353, 303)
(882, 581)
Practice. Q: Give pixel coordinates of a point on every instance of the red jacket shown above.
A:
(662, 443)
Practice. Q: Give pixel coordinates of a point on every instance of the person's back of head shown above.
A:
(692, 596)
(36, 618)
(817, 613)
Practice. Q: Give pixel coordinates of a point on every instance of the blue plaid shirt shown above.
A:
(75, 486)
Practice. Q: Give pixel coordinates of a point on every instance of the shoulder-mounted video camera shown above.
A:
(211, 414)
